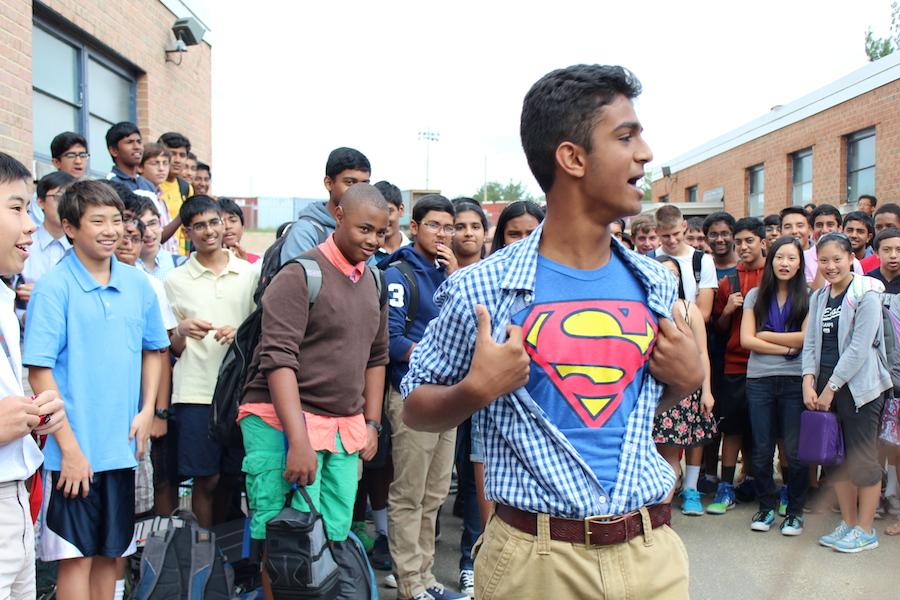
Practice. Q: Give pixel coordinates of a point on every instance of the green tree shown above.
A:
(494, 191)
(877, 47)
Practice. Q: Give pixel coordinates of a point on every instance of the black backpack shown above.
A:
(184, 562)
(697, 263)
(406, 270)
(271, 260)
(234, 372)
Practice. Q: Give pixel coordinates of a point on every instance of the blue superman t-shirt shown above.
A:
(589, 335)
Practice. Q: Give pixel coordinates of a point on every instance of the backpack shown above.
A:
(271, 261)
(234, 372)
(890, 314)
(697, 263)
(184, 562)
(355, 575)
(184, 188)
(406, 271)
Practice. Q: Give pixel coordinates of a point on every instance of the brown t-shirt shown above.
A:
(328, 347)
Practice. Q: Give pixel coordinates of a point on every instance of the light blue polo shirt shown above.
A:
(92, 336)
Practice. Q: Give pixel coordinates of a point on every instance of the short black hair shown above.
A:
(197, 205)
(120, 131)
(562, 106)
(173, 139)
(390, 192)
(57, 179)
(83, 194)
(772, 219)
(886, 234)
(12, 170)
(145, 206)
(717, 217)
(431, 202)
(870, 197)
(343, 159)
(864, 218)
(65, 140)
(794, 210)
(827, 210)
(192, 156)
(695, 224)
(202, 166)
(129, 199)
(752, 224)
(890, 207)
(230, 207)
(139, 224)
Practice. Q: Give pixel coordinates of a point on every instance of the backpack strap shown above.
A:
(321, 231)
(406, 270)
(380, 284)
(697, 260)
(153, 557)
(734, 282)
(203, 555)
(183, 187)
(313, 276)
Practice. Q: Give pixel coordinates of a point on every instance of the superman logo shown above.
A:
(590, 350)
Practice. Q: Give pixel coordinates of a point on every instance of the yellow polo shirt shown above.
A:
(170, 192)
(195, 292)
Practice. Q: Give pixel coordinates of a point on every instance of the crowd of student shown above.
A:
(544, 378)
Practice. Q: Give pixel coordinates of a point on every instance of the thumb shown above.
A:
(484, 323)
(679, 320)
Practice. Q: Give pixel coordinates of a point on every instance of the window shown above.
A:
(860, 164)
(756, 177)
(802, 167)
(690, 194)
(76, 89)
(664, 198)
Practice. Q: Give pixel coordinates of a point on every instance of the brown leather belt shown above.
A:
(593, 531)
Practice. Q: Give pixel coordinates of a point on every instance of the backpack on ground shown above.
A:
(271, 260)
(355, 573)
(234, 372)
(184, 562)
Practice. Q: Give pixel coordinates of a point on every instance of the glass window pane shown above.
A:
(757, 204)
(110, 93)
(861, 154)
(50, 118)
(54, 66)
(101, 162)
(859, 183)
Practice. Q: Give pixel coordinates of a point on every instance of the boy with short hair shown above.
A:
(795, 222)
(731, 404)
(773, 228)
(202, 179)
(155, 168)
(91, 302)
(345, 167)
(887, 216)
(719, 231)
(175, 190)
(699, 281)
(825, 219)
(233, 217)
(190, 168)
(20, 416)
(211, 294)
(860, 230)
(643, 234)
(328, 417)
(126, 147)
(395, 237)
(694, 236)
(69, 152)
(867, 203)
(887, 244)
(154, 259)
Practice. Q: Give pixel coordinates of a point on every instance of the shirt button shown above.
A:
(602, 500)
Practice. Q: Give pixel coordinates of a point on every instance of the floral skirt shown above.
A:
(685, 424)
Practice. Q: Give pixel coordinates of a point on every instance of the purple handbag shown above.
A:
(821, 440)
(890, 421)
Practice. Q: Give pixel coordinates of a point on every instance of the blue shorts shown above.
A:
(100, 525)
(164, 454)
(198, 455)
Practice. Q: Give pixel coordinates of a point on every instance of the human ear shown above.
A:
(572, 159)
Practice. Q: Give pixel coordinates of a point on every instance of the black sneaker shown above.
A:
(746, 491)
(380, 557)
(707, 485)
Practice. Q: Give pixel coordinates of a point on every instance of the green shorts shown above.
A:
(333, 492)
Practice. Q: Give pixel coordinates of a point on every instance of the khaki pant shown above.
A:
(16, 543)
(422, 466)
(512, 564)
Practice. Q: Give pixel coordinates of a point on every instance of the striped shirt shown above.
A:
(529, 463)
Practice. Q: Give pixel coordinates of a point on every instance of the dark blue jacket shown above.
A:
(428, 279)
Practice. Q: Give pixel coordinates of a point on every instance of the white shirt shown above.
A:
(43, 254)
(168, 317)
(686, 262)
(20, 458)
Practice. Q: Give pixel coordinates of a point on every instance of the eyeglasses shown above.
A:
(715, 235)
(204, 225)
(133, 239)
(435, 227)
(74, 155)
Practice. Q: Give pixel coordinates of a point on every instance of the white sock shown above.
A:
(891, 488)
(379, 517)
(120, 589)
(691, 475)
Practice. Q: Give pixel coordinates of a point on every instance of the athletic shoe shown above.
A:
(832, 538)
(746, 491)
(422, 596)
(724, 500)
(359, 529)
(857, 541)
(690, 502)
(782, 501)
(390, 580)
(762, 520)
(380, 557)
(707, 485)
(439, 592)
(792, 525)
(467, 582)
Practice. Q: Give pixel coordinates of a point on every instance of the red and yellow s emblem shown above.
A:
(590, 350)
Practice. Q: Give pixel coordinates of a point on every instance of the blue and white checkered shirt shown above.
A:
(529, 463)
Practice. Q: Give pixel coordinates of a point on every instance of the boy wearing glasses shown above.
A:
(422, 460)
(211, 294)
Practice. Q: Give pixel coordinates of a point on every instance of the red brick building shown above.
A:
(828, 147)
(82, 65)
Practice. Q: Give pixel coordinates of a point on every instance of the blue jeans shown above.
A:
(466, 489)
(775, 405)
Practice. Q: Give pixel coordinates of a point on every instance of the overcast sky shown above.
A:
(293, 80)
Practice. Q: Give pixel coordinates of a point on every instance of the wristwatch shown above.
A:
(833, 387)
(162, 413)
(375, 424)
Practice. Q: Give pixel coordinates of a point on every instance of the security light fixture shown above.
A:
(666, 171)
(188, 32)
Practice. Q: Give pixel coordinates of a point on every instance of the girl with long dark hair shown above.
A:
(516, 221)
(772, 330)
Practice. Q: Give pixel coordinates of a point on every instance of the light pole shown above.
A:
(428, 136)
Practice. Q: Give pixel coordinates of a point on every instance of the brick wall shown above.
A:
(824, 132)
(169, 97)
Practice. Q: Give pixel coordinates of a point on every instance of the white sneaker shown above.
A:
(390, 580)
(467, 582)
